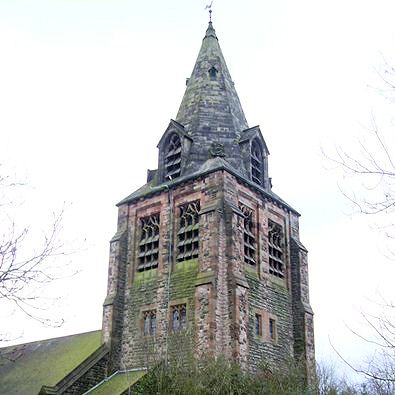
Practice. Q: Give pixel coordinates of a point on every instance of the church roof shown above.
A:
(25, 368)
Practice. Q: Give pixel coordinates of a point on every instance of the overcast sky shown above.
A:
(88, 87)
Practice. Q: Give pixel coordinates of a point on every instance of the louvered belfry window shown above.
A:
(188, 233)
(256, 162)
(249, 237)
(173, 158)
(276, 254)
(149, 243)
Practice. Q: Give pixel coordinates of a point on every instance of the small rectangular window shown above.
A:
(149, 323)
(276, 244)
(178, 317)
(149, 243)
(249, 236)
(188, 233)
(272, 329)
(258, 325)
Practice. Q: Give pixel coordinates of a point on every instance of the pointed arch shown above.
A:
(256, 162)
(173, 157)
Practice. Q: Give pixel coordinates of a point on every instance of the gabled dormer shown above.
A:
(255, 153)
(173, 150)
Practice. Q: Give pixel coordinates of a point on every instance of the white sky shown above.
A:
(88, 87)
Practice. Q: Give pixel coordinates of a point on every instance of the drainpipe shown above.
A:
(169, 262)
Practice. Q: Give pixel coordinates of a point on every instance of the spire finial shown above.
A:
(209, 9)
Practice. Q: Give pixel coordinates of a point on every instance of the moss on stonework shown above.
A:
(191, 264)
(183, 278)
(145, 276)
(251, 271)
(279, 284)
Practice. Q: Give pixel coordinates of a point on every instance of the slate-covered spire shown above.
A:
(210, 103)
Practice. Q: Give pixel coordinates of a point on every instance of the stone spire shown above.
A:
(210, 110)
(210, 100)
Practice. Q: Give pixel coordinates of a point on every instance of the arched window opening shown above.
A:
(149, 243)
(256, 162)
(276, 252)
(188, 233)
(249, 236)
(213, 73)
(173, 158)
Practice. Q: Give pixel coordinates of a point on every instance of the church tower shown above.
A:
(205, 252)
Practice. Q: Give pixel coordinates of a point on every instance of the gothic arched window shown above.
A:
(256, 162)
(173, 158)
(249, 237)
(149, 243)
(276, 249)
(188, 233)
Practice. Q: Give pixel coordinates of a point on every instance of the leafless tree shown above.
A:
(379, 369)
(370, 169)
(27, 265)
(369, 175)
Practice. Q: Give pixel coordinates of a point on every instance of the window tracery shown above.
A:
(256, 162)
(249, 237)
(149, 243)
(173, 158)
(276, 255)
(188, 234)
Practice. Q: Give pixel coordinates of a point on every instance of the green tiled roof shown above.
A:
(118, 383)
(25, 368)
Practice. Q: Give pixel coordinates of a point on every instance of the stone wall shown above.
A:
(90, 378)
(222, 293)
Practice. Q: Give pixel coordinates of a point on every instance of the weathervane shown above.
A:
(208, 7)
